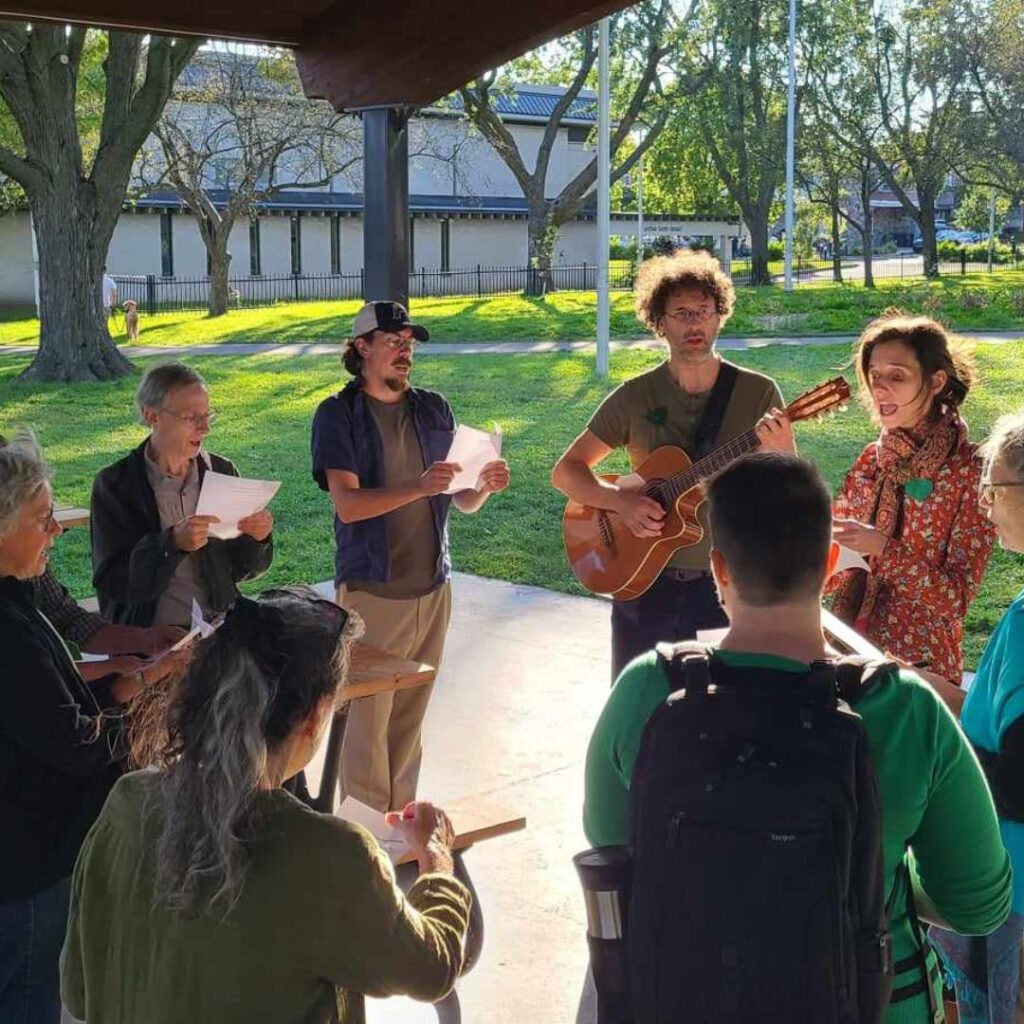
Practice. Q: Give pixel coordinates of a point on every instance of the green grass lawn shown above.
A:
(542, 401)
(993, 301)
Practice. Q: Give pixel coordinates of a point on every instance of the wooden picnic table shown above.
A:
(371, 671)
(70, 515)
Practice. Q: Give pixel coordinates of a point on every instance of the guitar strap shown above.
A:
(714, 411)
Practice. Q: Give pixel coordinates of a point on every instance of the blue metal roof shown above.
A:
(537, 103)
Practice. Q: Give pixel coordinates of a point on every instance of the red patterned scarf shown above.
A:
(903, 455)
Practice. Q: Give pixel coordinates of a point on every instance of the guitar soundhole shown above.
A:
(655, 489)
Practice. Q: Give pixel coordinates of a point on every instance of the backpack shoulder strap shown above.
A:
(687, 666)
(857, 675)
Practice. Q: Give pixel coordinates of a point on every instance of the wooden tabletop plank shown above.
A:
(476, 819)
(375, 671)
(70, 515)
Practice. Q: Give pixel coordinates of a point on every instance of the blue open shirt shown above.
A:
(345, 436)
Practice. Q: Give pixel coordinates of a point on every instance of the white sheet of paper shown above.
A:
(472, 449)
(373, 821)
(85, 656)
(849, 559)
(199, 627)
(231, 498)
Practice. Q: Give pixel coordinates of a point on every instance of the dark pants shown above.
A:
(671, 610)
(31, 937)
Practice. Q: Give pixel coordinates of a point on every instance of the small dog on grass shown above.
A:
(131, 320)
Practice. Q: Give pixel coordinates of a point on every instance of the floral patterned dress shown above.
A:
(928, 574)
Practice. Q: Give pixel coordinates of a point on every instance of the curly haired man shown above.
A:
(684, 300)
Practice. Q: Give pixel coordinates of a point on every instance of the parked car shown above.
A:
(917, 244)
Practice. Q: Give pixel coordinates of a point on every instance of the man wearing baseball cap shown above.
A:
(379, 448)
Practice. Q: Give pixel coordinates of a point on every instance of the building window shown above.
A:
(335, 244)
(578, 136)
(167, 243)
(446, 244)
(254, 248)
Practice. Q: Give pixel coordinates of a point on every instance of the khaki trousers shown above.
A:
(380, 760)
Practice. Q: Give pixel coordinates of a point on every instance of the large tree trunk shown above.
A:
(541, 234)
(73, 228)
(220, 266)
(757, 222)
(837, 259)
(929, 247)
(867, 233)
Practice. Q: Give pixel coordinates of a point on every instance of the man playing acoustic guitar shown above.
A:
(695, 400)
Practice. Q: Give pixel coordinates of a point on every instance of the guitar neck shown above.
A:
(680, 483)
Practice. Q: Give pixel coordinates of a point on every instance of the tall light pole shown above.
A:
(790, 145)
(639, 212)
(603, 200)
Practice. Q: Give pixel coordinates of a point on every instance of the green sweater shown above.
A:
(319, 922)
(934, 799)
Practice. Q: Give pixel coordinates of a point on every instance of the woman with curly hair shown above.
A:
(909, 505)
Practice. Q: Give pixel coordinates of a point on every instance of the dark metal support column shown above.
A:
(386, 204)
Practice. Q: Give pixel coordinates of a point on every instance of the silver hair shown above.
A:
(159, 381)
(1006, 442)
(244, 693)
(23, 472)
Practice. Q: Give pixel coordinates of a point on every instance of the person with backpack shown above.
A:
(774, 879)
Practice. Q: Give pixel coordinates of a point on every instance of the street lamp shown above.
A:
(790, 145)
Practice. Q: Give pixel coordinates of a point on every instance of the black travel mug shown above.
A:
(606, 874)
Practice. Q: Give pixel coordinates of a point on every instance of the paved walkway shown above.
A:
(476, 348)
(525, 675)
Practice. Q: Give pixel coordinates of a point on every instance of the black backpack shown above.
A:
(756, 832)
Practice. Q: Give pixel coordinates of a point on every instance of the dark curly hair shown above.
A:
(685, 268)
(934, 347)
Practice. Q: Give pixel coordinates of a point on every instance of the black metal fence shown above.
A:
(901, 266)
(152, 293)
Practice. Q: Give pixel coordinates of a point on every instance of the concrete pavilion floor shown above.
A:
(524, 678)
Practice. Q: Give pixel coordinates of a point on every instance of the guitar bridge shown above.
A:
(604, 528)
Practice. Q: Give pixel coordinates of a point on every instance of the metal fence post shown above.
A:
(479, 282)
(963, 262)
(150, 294)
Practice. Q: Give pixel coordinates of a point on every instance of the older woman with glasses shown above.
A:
(986, 970)
(151, 554)
(60, 746)
(207, 893)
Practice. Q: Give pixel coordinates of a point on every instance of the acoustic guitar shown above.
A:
(605, 555)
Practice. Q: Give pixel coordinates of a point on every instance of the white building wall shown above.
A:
(275, 246)
(316, 245)
(426, 248)
(135, 245)
(577, 243)
(491, 243)
(189, 251)
(17, 287)
(351, 244)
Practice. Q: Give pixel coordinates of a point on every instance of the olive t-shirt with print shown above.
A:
(412, 549)
(652, 410)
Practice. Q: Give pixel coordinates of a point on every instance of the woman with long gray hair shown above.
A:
(206, 892)
(60, 746)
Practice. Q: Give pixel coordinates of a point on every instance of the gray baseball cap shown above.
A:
(385, 316)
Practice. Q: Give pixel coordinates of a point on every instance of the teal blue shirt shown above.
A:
(994, 703)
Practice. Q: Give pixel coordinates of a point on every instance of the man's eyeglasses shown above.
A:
(194, 419)
(987, 491)
(395, 342)
(689, 316)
